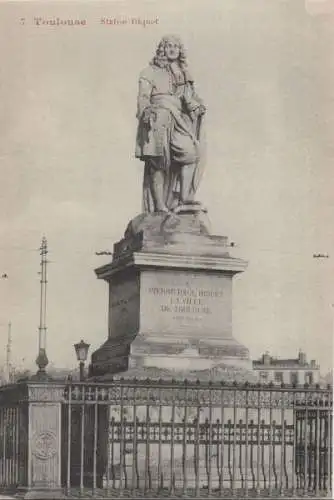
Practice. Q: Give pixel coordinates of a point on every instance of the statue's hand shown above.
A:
(201, 110)
(197, 112)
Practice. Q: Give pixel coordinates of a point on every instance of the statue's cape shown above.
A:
(184, 124)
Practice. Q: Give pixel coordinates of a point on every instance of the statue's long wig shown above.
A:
(160, 58)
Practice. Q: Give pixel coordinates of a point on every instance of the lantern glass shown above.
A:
(81, 350)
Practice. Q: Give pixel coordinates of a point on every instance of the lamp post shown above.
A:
(81, 351)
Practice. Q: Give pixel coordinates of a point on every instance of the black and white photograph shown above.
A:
(166, 249)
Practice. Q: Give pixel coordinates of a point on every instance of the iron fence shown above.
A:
(194, 439)
(155, 438)
(9, 446)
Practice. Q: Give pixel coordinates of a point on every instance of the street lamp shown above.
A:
(81, 350)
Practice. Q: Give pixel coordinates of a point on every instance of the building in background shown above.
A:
(327, 378)
(288, 371)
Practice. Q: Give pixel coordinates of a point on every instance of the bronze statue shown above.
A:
(169, 131)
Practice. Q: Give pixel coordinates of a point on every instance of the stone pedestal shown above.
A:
(31, 418)
(170, 300)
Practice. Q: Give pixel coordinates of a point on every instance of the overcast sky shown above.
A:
(68, 104)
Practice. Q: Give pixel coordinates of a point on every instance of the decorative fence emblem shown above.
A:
(45, 445)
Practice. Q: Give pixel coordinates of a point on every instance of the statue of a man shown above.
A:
(169, 130)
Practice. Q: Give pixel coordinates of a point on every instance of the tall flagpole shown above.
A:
(42, 360)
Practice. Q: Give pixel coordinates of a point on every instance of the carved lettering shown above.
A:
(185, 292)
(190, 301)
(123, 301)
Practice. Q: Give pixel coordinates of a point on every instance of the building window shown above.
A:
(309, 378)
(264, 376)
(279, 377)
(294, 378)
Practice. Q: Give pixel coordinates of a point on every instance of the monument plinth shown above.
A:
(170, 300)
(170, 280)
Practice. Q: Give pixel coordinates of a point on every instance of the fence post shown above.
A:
(103, 447)
(44, 439)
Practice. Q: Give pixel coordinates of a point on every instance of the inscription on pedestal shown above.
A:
(124, 307)
(185, 301)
